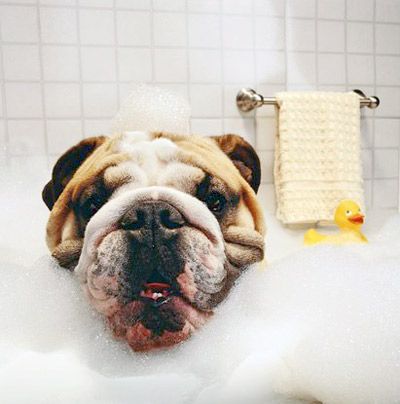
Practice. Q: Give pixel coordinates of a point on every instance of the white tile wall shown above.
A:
(65, 66)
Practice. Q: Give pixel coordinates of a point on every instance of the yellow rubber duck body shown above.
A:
(349, 219)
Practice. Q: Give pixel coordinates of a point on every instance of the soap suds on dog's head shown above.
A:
(320, 323)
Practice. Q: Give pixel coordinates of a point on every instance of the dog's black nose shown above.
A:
(154, 216)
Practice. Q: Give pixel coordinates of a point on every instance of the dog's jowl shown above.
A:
(157, 227)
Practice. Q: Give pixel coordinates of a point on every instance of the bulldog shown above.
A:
(157, 227)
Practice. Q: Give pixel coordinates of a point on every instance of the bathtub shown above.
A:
(320, 323)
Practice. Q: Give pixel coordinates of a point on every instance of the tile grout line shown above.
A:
(4, 100)
(286, 51)
(222, 83)
(346, 58)
(42, 83)
(316, 46)
(373, 121)
(116, 56)
(187, 63)
(152, 41)
(80, 81)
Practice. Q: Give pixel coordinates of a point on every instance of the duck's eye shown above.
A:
(348, 212)
(216, 202)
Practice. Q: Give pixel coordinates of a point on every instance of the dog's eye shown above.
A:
(91, 206)
(215, 202)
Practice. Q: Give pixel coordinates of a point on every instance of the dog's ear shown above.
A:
(243, 156)
(66, 166)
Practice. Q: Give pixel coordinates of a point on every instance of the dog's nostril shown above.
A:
(134, 220)
(171, 219)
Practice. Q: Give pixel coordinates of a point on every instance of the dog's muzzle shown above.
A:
(153, 262)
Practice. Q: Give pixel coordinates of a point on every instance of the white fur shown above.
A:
(103, 222)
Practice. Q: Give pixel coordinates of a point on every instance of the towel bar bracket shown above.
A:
(247, 99)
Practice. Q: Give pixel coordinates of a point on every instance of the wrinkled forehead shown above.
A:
(151, 161)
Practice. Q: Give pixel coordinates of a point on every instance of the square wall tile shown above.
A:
(270, 67)
(96, 3)
(62, 100)
(2, 106)
(169, 5)
(331, 69)
(387, 38)
(360, 10)
(58, 25)
(230, 109)
(26, 137)
(170, 65)
(18, 24)
(134, 4)
(238, 66)
(60, 63)
(390, 101)
(169, 29)
(24, 100)
(96, 127)
(57, 2)
(386, 193)
(206, 127)
(96, 27)
(21, 62)
(330, 36)
(331, 9)
(386, 163)
(387, 133)
(237, 32)
(366, 156)
(388, 70)
(98, 64)
(368, 194)
(388, 11)
(241, 126)
(274, 8)
(62, 134)
(300, 8)
(204, 31)
(236, 6)
(360, 69)
(206, 100)
(133, 28)
(360, 37)
(367, 132)
(134, 64)
(300, 35)
(266, 129)
(203, 6)
(269, 33)
(205, 66)
(99, 100)
(301, 68)
(267, 166)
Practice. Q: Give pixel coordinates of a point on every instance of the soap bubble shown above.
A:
(150, 108)
(318, 323)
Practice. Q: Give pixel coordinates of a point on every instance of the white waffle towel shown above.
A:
(317, 155)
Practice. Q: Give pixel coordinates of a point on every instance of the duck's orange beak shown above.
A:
(357, 218)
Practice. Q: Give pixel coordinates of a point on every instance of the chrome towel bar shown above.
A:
(247, 99)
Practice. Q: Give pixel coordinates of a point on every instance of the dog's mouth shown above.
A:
(157, 293)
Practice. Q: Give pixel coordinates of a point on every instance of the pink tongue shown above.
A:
(156, 290)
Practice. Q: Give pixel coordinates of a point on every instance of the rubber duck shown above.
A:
(349, 219)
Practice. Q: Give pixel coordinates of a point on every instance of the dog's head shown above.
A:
(157, 227)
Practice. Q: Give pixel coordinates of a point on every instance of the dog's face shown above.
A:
(157, 227)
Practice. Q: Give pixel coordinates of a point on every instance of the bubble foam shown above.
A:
(150, 108)
(320, 323)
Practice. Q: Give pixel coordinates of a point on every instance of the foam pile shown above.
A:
(150, 108)
(321, 323)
